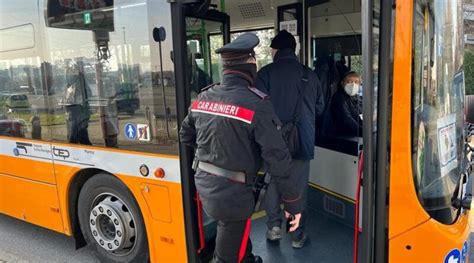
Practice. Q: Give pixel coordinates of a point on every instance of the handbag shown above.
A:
(289, 130)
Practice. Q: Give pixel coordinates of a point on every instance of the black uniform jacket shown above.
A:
(234, 126)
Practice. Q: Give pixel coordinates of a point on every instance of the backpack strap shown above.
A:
(304, 82)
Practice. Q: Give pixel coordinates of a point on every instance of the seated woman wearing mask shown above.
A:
(346, 107)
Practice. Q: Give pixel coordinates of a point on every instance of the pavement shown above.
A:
(24, 242)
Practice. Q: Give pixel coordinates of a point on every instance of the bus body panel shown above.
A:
(47, 205)
(403, 198)
(413, 235)
(166, 239)
(31, 201)
(432, 242)
(164, 220)
(20, 163)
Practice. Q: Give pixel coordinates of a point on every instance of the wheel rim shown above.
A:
(112, 224)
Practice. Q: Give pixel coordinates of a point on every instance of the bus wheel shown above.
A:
(111, 221)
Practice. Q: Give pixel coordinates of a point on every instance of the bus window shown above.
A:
(437, 110)
(216, 41)
(23, 108)
(125, 99)
(203, 37)
(263, 53)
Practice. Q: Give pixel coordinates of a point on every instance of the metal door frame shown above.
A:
(180, 9)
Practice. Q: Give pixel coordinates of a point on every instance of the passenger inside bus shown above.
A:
(295, 93)
(346, 107)
(328, 76)
(341, 66)
(199, 78)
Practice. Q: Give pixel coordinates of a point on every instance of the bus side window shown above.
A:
(124, 96)
(22, 99)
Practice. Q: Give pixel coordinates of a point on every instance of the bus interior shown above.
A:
(328, 35)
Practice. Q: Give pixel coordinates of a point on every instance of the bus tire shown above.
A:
(111, 221)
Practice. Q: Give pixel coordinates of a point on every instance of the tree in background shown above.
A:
(263, 52)
(469, 72)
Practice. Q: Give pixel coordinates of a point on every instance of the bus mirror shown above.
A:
(159, 34)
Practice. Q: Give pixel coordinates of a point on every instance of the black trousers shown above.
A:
(300, 177)
(233, 243)
(231, 204)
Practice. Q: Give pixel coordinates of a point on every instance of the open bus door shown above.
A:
(197, 32)
(200, 29)
(333, 238)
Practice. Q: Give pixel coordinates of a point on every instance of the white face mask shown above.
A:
(351, 89)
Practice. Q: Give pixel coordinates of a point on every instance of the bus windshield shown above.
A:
(437, 100)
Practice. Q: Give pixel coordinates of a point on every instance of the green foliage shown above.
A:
(469, 72)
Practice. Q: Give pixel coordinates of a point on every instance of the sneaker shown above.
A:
(300, 243)
(274, 234)
(253, 259)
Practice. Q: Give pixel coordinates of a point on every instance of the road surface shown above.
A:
(23, 242)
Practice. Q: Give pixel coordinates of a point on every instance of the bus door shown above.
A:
(198, 33)
(333, 175)
(204, 34)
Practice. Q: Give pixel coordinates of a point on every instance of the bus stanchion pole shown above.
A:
(165, 108)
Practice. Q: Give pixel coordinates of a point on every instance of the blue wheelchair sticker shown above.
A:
(465, 252)
(130, 131)
(453, 257)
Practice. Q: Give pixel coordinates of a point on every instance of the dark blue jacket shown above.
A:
(282, 80)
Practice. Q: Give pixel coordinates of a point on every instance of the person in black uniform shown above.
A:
(235, 131)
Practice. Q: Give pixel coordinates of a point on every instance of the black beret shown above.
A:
(283, 40)
(242, 44)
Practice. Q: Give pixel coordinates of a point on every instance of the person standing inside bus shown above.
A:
(297, 98)
(234, 129)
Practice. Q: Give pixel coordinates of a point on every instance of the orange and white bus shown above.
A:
(92, 93)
